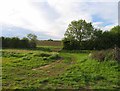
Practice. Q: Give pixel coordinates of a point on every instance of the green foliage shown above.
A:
(33, 40)
(50, 40)
(32, 37)
(76, 32)
(82, 35)
(70, 44)
(15, 42)
(89, 73)
(115, 30)
(45, 55)
(54, 56)
(27, 69)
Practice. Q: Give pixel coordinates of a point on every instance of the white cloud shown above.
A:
(26, 14)
(108, 27)
(99, 25)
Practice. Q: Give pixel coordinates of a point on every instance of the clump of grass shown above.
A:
(45, 58)
(26, 58)
(45, 55)
(12, 54)
(41, 54)
(54, 56)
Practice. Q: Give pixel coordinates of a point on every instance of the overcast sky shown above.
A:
(50, 18)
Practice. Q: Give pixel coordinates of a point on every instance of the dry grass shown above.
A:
(49, 43)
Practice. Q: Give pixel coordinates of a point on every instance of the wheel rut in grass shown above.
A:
(56, 68)
(47, 66)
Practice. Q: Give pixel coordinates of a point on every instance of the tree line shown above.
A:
(82, 35)
(15, 42)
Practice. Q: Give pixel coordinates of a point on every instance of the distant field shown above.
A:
(44, 68)
(49, 43)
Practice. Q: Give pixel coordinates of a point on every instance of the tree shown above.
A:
(50, 39)
(115, 33)
(32, 39)
(115, 30)
(24, 43)
(77, 32)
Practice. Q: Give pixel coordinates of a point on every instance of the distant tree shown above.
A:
(24, 43)
(32, 37)
(50, 40)
(14, 42)
(32, 40)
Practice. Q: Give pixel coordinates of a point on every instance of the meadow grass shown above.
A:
(39, 69)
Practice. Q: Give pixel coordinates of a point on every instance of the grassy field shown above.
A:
(49, 43)
(46, 68)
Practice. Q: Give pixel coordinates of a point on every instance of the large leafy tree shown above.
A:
(77, 32)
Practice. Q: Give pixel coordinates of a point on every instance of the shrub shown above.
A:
(111, 54)
(100, 56)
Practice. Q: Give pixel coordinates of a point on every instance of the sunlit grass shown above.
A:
(34, 69)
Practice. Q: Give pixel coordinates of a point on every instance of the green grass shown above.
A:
(39, 69)
(90, 74)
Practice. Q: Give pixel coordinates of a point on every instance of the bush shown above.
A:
(106, 55)
(100, 56)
